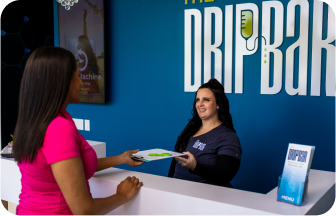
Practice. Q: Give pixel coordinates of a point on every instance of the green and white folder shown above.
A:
(155, 154)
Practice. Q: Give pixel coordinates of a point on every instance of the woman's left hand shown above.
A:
(189, 163)
(128, 160)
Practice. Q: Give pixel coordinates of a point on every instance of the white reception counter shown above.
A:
(162, 195)
(167, 196)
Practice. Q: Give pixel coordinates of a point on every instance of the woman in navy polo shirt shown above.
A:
(209, 140)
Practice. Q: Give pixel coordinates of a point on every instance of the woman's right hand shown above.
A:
(129, 187)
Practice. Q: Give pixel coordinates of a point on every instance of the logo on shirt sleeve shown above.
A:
(199, 145)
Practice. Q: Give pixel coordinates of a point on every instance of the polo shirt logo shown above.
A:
(199, 145)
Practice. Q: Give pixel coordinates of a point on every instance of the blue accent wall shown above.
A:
(147, 106)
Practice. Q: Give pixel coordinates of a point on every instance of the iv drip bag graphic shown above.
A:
(246, 24)
(247, 27)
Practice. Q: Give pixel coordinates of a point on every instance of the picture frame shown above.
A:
(81, 30)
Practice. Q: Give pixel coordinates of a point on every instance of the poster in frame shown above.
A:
(81, 31)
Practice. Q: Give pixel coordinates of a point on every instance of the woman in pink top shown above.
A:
(54, 159)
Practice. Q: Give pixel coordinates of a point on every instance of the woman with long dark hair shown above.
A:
(55, 161)
(209, 140)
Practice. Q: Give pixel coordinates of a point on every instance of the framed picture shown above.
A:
(81, 31)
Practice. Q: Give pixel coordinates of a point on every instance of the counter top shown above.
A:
(162, 195)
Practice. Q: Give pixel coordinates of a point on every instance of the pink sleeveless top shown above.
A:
(40, 194)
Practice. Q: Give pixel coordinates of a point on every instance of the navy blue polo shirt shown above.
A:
(219, 141)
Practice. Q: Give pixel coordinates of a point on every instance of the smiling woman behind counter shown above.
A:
(209, 140)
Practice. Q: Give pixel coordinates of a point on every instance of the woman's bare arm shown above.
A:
(107, 162)
(104, 163)
(69, 175)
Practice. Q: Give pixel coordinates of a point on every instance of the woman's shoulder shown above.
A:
(60, 124)
(61, 130)
(225, 132)
(222, 129)
(61, 140)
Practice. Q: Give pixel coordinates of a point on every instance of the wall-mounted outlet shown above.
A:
(79, 123)
(87, 125)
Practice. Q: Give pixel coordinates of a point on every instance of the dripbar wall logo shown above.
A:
(247, 40)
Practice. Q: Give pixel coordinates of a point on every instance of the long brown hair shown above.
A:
(44, 88)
